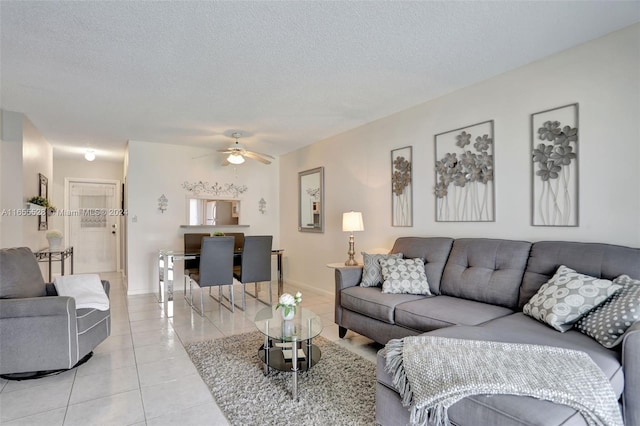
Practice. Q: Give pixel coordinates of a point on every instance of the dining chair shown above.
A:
(215, 269)
(255, 266)
(192, 245)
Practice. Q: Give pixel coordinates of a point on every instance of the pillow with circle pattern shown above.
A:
(567, 297)
(608, 323)
(371, 272)
(404, 276)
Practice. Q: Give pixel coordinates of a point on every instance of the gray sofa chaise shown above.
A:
(479, 288)
(41, 331)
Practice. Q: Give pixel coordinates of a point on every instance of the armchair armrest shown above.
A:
(45, 306)
(631, 366)
(51, 288)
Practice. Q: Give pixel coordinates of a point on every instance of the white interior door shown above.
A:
(93, 225)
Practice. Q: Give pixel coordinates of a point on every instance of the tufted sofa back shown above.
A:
(486, 270)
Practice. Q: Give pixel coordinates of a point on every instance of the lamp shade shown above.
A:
(352, 221)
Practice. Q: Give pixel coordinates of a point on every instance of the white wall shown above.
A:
(602, 76)
(11, 194)
(156, 169)
(37, 157)
(25, 153)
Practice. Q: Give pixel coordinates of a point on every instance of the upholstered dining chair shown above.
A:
(214, 269)
(192, 245)
(255, 266)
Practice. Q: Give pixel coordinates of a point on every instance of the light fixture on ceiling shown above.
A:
(237, 153)
(89, 155)
(235, 158)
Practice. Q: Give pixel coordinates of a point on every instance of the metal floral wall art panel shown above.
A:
(464, 174)
(554, 145)
(401, 187)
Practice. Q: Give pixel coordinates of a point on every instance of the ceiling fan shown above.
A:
(237, 153)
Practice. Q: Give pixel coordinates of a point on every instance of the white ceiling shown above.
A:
(286, 74)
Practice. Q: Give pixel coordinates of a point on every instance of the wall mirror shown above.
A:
(311, 200)
(213, 212)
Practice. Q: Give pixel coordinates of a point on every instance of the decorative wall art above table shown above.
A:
(464, 169)
(401, 187)
(554, 144)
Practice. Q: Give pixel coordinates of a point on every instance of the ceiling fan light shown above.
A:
(89, 155)
(235, 159)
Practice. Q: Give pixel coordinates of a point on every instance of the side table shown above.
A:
(55, 255)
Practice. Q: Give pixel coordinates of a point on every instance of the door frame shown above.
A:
(67, 191)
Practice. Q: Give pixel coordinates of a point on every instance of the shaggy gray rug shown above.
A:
(339, 390)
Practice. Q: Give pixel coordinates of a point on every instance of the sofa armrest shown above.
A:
(46, 306)
(631, 365)
(347, 277)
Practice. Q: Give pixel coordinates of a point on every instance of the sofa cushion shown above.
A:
(371, 271)
(20, 274)
(444, 311)
(567, 297)
(404, 276)
(608, 322)
(434, 251)
(519, 328)
(598, 260)
(486, 270)
(370, 301)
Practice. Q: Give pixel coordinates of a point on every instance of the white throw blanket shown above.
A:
(433, 373)
(86, 289)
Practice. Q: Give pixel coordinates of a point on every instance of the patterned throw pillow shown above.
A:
(404, 276)
(608, 322)
(567, 297)
(372, 274)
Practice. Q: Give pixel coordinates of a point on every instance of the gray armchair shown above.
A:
(40, 330)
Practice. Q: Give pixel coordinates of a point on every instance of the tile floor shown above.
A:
(141, 375)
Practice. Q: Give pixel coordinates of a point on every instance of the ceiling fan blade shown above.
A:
(262, 155)
(226, 151)
(256, 156)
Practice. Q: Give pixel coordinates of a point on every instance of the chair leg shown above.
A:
(270, 295)
(255, 288)
(201, 302)
(244, 303)
(222, 296)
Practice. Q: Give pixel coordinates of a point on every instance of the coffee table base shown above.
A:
(273, 357)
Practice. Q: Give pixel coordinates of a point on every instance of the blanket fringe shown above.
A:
(395, 367)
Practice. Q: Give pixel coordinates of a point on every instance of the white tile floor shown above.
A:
(141, 375)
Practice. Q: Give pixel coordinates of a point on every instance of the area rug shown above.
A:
(339, 390)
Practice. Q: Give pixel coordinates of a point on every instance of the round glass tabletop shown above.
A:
(305, 324)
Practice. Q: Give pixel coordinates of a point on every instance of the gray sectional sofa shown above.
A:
(479, 288)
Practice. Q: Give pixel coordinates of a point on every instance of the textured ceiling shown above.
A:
(286, 74)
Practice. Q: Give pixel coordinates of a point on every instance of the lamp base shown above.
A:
(352, 251)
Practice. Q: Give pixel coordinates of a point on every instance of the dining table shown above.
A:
(166, 272)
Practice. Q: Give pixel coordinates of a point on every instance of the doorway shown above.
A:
(92, 224)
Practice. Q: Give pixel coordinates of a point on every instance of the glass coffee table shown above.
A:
(288, 344)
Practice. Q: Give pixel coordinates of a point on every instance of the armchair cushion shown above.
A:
(20, 274)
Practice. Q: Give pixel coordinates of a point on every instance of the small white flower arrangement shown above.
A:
(289, 303)
(54, 233)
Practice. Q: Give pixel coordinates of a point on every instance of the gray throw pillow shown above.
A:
(608, 323)
(567, 297)
(404, 276)
(371, 273)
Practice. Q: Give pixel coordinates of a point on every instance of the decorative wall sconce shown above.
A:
(163, 203)
(262, 206)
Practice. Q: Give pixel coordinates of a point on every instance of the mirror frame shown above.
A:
(320, 172)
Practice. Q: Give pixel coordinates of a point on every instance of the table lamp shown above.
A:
(352, 221)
